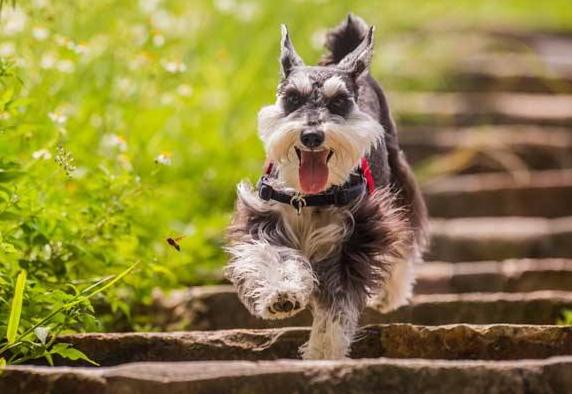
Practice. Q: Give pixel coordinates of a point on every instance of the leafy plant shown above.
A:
(566, 318)
(34, 342)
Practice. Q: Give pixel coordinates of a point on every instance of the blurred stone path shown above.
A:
(495, 158)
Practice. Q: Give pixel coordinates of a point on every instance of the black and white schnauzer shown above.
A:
(337, 220)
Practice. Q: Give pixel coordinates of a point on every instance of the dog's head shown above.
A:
(315, 134)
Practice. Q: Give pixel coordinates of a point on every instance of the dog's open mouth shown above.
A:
(313, 169)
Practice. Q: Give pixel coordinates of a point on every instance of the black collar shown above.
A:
(336, 195)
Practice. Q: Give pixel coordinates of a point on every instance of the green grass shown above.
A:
(125, 122)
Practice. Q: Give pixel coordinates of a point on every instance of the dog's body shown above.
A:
(331, 258)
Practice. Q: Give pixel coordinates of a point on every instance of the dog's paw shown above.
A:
(281, 305)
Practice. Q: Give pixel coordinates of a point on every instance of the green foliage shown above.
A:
(125, 122)
(16, 308)
(566, 318)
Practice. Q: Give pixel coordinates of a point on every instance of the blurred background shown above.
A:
(124, 123)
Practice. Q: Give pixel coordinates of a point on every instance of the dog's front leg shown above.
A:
(336, 306)
(273, 282)
(333, 330)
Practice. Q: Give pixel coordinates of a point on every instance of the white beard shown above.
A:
(350, 140)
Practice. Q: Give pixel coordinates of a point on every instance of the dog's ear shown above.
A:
(288, 56)
(357, 61)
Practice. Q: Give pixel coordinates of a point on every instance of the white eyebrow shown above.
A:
(302, 83)
(334, 85)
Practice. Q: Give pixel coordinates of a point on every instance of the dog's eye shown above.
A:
(292, 101)
(339, 105)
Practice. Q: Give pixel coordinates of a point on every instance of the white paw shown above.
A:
(281, 305)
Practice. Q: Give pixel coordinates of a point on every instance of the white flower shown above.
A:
(48, 61)
(246, 12)
(164, 159)
(13, 21)
(174, 66)
(185, 90)
(149, 6)
(79, 49)
(42, 333)
(111, 142)
(158, 40)
(58, 118)
(65, 66)
(40, 33)
(7, 49)
(43, 154)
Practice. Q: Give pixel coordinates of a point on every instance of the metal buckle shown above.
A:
(298, 202)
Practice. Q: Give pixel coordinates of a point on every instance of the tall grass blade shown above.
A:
(16, 309)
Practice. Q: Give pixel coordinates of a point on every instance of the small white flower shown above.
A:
(42, 333)
(48, 61)
(61, 40)
(164, 159)
(7, 49)
(78, 173)
(174, 66)
(185, 90)
(65, 66)
(43, 154)
(149, 6)
(58, 118)
(14, 21)
(247, 12)
(80, 49)
(158, 40)
(40, 33)
(111, 142)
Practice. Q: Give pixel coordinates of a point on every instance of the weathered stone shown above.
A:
(549, 376)
(220, 309)
(448, 109)
(518, 275)
(495, 342)
(499, 238)
(541, 193)
(493, 148)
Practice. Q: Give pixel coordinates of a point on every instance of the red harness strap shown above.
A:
(367, 175)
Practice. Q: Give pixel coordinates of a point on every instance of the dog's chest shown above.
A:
(317, 232)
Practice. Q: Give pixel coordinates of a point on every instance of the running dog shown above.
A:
(337, 220)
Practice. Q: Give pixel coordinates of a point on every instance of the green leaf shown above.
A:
(16, 309)
(8, 175)
(65, 350)
(2, 363)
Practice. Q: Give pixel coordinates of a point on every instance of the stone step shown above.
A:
(518, 275)
(540, 193)
(451, 342)
(390, 376)
(460, 109)
(513, 71)
(218, 308)
(492, 148)
(499, 238)
(490, 78)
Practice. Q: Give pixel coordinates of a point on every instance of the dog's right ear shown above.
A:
(288, 56)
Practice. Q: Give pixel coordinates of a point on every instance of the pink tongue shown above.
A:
(313, 171)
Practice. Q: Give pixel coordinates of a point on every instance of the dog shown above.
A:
(337, 220)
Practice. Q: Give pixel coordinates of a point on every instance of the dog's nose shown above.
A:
(283, 306)
(312, 138)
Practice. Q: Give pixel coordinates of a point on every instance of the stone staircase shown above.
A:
(498, 276)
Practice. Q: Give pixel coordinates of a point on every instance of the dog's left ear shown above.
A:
(288, 56)
(358, 61)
